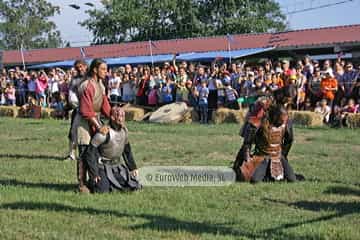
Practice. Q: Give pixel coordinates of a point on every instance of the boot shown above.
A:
(81, 172)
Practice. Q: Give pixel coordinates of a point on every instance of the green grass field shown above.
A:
(38, 198)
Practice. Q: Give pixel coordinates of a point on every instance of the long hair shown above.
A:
(273, 118)
(275, 113)
(94, 65)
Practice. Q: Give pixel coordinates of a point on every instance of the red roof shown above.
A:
(303, 38)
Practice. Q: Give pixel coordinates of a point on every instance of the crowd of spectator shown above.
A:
(328, 88)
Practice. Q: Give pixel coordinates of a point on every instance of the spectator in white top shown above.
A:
(324, 110)
(53, 86)
(114, 88)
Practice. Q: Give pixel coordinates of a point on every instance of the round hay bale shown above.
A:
(306, 118)
(239, 116)
(134, 113)
(353, 120)
(221, 115)
(146, 116)
(22, 113)
(171, 113)
(48, 113)
(188, 116)
(225, 115)
(9, 111)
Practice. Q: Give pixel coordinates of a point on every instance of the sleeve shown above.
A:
(91, 156)
(86, 102)
(249, 133)
(129, 158)
(335, 83)
(288, 139)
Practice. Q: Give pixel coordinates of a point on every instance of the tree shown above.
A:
(139, 20)
(242, 16)
(26, 23)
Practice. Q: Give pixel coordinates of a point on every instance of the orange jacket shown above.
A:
(328, 83)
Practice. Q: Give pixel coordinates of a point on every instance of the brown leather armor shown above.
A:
(268, 144)
(248, 167)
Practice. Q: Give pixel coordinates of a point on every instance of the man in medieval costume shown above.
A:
(93, 103)
(271, 135)
(80, 68)
(105, 156)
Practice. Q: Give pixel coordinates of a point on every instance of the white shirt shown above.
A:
(53, 85)
(114, 84)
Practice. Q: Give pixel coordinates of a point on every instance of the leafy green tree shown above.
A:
(242, 16)
(138, 20)
(26, 23)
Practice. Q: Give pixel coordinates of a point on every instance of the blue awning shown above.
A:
(209, 56)
(62, 64)
(194, 56)
(138, 59)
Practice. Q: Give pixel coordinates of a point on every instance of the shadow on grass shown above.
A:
(160, 222)
(34, 123)
(343, 191)
(49, 186)
(332, 181)
(27, 139)
(340, 209)
(155, 222)
(32, 157)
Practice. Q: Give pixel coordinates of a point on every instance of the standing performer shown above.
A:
(104, 158)
(272, 139)
(81, 68)
(93, 102)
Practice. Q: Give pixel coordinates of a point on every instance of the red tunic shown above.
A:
(86, 103)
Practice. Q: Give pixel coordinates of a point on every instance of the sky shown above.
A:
(342, 14)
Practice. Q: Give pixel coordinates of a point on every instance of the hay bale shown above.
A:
(239, 116)
(222, 115)
(22, 113)
(306, 118)
(353, 120)
(170, 113)
(225, 115)
(48, 113)
(134, 113)
(146, 116)
(188, 117)
(9, 111)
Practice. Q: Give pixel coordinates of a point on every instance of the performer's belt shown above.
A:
(107, 161)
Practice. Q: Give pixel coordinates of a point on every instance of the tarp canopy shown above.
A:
(209, 56)
(138, 59)
(194, 56)
(62, 64)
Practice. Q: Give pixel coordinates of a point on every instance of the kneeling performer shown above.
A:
(104, 158)
(272, 140)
